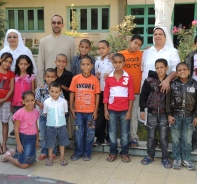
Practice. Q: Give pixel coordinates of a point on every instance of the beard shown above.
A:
(56, 31)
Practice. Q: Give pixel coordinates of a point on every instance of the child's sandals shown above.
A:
(111, 158)
(125, 158)
(49, 162)
(166, 163)
(64, 162)
(146, 161)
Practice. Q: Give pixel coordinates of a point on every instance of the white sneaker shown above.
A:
(190, 166)
(177, 164)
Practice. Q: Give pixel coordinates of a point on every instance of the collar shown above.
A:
(46, 86)
(125, 74)
(105, 59)
(56, 36)
(52, 100)
(164, 48)
(65, 72)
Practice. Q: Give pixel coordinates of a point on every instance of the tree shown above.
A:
(2, 21)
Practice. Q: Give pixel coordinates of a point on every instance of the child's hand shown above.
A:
(107, 117)
(73, 112)
(95, 115)
(41, 106)
(12, 108)
(105, 75)
(128, 115)
(171, 120)
(37, 144)
(42, 86)
(98, 74)
(143, 115)
(2, 101)
(195, 121)
(20, 148)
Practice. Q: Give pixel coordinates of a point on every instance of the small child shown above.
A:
(6, 90)
(181, 108)
(26, 133)
(152, 98)
(84, 49)
(103, 67)
(133, 58)
(64, 76)
(55, 108)
(85, 91)
(42, 94)
(118, 100)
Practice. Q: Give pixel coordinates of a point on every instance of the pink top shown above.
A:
(21, 84)
(28, 121)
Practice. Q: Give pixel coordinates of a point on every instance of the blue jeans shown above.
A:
(182, 131)
(115, 118)
(43, 135)
(157, 122)
(84, 134)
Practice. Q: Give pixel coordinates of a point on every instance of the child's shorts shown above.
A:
(28, 155)
(5, 112)
(57, 134)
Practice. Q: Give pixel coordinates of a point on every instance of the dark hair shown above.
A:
(104, 41)
(25, 93)
(85, 41)
(137, 36)
(51, 70)
(57, 16)
(63, 55)
(6, 55)
(119, 55)
(55, 84)
(87, 57)
(162, 60)
(195, 39)
(159, 28)
(182, 63)
(29, 69)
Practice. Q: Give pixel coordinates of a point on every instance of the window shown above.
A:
(91, 19)
(25, 20)
(145, 20)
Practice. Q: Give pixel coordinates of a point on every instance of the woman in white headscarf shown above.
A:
(13, 44)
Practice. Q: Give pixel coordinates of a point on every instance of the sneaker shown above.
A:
(177, 164)
(190, 166)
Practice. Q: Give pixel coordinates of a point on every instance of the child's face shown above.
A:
(84, 48)
(182, 72)
(6, 64)
(103, 49)
(135, 45)
(161, 69)
(118, 63)
(23, 65)
(86, 66)
(61, 62)
(29, 102)
(54, 92)
(50, 77)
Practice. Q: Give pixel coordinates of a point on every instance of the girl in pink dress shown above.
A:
(26, 133)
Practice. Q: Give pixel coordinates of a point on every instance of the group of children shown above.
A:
(101, 94)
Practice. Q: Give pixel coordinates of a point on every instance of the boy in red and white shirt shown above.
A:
(118, 101)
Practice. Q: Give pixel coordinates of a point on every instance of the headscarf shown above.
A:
(20, 41)
(168, 37)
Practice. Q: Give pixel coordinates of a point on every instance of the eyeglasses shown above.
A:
(58, 23)
(14, 37)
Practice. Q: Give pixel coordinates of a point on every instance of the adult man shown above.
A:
(52, 45)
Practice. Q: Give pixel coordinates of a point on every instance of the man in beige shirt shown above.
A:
(52, 45)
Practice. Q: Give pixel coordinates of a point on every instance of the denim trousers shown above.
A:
(84, 134)
(182, 131)
(43, 135)
(157, 122)
(115, 118)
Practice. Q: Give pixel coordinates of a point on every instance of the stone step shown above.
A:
(141, 150)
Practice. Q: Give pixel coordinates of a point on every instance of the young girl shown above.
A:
(6, 90)
(181, 108)
(26, 133)
(24, 81)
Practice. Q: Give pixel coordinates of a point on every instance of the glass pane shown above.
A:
(151, 11)
(40, 20)
(139, 20)
(105, 18)
(138, 30)
(30, 19)
(137, 11)
(150, 30)
(151, 20)
(94, 19)
(11, 19)
(21, 25)
(83, 19)
(150, 40)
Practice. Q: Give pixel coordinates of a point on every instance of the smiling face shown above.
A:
(5, 64)
(61, 62)
(54, 92)
(57, 25)
(50, 77)
(103, 49)
(12, 39)
(86, 66)
(159, 37)
(84, 48)
(183, 72)
(29, 102)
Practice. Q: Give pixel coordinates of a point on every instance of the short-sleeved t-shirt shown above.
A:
(85, 89)
(5, 84)
(133, 67)
(28, 121)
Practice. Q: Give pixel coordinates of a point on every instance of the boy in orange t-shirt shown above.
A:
(133, 58)
(85, 89)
